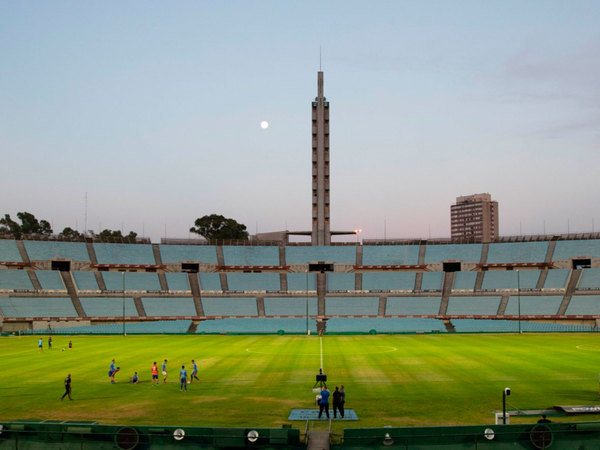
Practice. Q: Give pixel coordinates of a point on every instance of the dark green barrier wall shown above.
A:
(90, 435)
(563, 436)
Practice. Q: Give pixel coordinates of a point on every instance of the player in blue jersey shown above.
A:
(194, 372)
(112, 371)
(164, 371)
(183, 379)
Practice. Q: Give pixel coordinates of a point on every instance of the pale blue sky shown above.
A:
(153, 109)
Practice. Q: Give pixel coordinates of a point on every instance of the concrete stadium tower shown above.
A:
(321, 234)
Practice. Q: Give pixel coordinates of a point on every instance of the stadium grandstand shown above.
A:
(542, 283)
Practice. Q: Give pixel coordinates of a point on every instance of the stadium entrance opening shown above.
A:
(63, 266)
(190, 267)
(452, 266)
(584, 263)
(320, 267)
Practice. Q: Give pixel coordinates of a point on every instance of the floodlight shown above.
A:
(178, 434)
(387, 440)
(252, 436)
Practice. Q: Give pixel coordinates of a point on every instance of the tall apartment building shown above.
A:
(474, 217)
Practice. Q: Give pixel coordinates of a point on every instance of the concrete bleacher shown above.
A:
(453, 252)
(171, 306)
(108, 306)
(135, 254)
(341, 281)
(509, 326)
(384, 325)
(499, 279)
(133, 281)
(85, 281)
(47, 250)
(386, 255)
(432, 281)
(253, 281)
(556, 279)
(570, 249)
(9, 252)
(533, 305)
(583, 305)
(517, 252)
(473, 306)
(301, 281)
(50, 280)
(210, 282)
(465, 281)
(258, 325)
(177, 281)
(15, 279)
(388, 281)
(590, 279)
(290, 306)
(250, 255)
(348, 306)
(244, 306)
(37, 307)
(191, 253)
(154, 327)
(305, 254)
(413, 306)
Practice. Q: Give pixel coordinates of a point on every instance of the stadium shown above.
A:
(439, 343)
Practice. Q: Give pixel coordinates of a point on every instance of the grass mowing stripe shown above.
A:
(256, 380)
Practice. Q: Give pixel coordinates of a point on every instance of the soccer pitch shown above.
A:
(398, 380)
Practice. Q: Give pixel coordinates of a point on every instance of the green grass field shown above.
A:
(398, 380)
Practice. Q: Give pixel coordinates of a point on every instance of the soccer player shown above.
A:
(49, 342)
(41, 345)
(194, 372)
(67, 387)
(112, 371)
(154, 370)
(70, 345)
(183, 378)
(135, 379)
(164, 371)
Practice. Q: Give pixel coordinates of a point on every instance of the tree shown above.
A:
(112, 234)
(217, 227)
(29, 225)
(70, 233)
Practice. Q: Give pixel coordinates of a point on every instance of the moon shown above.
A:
(264, 124)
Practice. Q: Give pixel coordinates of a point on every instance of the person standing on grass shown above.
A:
(324, 402)
(337, 398)
(342, 400)
(154, 370)
(112, 371)
(41, 344)
(70, 345)
(194, 372)
(49, 342)
(67, 388)
(183, 378)
(164, 371)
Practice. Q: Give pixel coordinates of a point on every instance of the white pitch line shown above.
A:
(321, 344)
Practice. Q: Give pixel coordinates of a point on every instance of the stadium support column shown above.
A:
(321, 234)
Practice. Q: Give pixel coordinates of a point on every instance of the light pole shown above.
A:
(519, 298)
(357, 232)
(307, 301)
(505, 393)
(123, 279)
